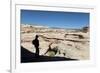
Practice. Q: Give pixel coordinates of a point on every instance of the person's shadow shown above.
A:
(35, 42)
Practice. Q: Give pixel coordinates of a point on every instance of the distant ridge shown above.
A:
(34, 25)
(42, 26)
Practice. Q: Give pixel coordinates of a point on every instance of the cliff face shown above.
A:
(65, 43)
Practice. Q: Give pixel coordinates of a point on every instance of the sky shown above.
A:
(55, 19)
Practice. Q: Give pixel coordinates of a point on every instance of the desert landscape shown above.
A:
(67, 43)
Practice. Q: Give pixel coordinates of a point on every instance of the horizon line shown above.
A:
(54, 27)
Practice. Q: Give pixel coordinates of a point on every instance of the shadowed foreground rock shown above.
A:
(27, 56)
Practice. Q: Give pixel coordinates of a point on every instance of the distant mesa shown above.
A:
(85, 29)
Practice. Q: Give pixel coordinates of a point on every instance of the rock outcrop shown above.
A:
(67, 43)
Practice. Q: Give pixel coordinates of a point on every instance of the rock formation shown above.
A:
(67, 43)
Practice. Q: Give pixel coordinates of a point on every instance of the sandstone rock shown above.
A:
(68, 43)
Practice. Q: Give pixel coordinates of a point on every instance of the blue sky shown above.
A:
(55, 19)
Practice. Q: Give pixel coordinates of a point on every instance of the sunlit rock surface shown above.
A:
(69, 43)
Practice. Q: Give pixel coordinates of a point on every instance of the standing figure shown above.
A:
(35, 42)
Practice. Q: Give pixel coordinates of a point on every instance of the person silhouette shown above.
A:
(35, 42)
